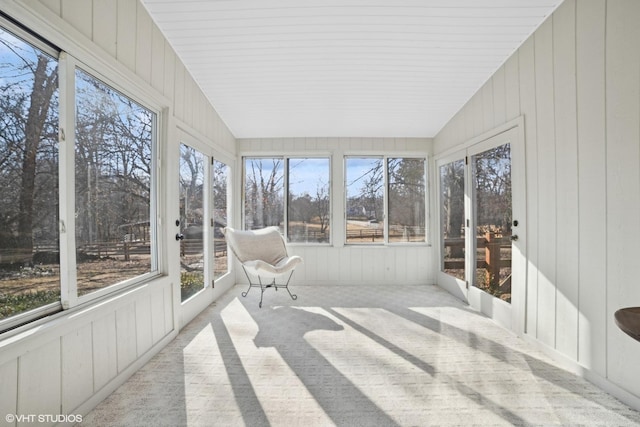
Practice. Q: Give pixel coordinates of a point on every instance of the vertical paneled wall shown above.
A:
(622, 127)
(576, 82)
(68, 365)
(123, 30)
(340, 264)
(60, 366)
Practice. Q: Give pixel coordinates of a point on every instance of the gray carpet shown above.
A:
(353, 356)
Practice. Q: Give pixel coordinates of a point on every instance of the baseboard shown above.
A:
(596, 379)
(616, 391)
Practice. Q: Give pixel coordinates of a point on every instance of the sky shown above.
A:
(306, 173)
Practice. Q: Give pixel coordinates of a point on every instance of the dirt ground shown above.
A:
(92, 275)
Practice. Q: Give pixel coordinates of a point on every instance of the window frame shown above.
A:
(385, 196)
(229, 207)
(211, 155)
(286, 210)
(425, 175)
(243, 171)
(207, 168)
(285, 159)
(385, 231)
(48, 48)
(129, 87)
(441, 162)
(69, 292)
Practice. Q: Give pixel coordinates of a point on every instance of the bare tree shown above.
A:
(322, 204)
(220, 186)
(492, 186)
(301, 208)
(370, 193)
(407, 192)
(452, 196)
(372, 190)
(191, 187)
(29, 84)
(263, 187)
(113, 161)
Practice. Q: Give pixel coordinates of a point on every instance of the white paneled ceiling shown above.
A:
(349, 68)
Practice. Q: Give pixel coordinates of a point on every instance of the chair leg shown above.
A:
(251, 284)
(261, 292)
(293, 296)
(244, 294)
(286, 286)
(272, 284)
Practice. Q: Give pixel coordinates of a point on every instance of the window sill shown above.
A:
(94, 307)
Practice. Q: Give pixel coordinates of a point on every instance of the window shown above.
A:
(114, 166)
(220, 195)
(365, 199)
(111, 211)
(371, 180)
(307, 205)
(407, 200)
(192, 203)
(452, 217)
(308, 202)
(29, 230)
(263, 193)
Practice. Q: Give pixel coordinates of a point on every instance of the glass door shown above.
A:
(481, 215)
(492, 218)
(192, 220)
(496, 261)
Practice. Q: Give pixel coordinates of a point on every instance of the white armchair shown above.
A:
(263, 256)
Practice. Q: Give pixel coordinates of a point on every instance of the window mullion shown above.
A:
(68, 277)
(385, 198)
(285, 184)
(427, 209)
(207, 221)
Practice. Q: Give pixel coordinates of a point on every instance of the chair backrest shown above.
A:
(265, 244)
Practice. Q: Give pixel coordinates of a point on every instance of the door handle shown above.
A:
(179, 236)
(514, 237)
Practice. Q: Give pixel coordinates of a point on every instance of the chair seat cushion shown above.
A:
(265, 269)
(265, 244)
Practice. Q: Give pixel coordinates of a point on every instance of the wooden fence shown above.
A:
(187, 246)
(99, 250)
(492, 262)
(299, 234)
(195, 246)
(107, 249)
(365, 234)
(396, 233)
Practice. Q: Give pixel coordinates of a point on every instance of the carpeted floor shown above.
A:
(353, 356)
